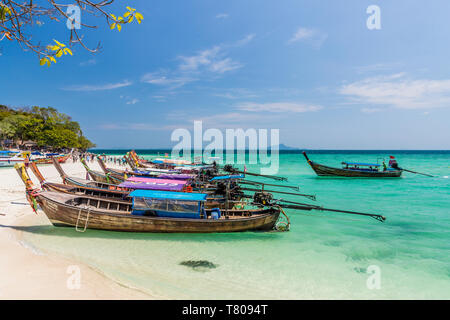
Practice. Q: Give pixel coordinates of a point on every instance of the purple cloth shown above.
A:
(175, 176)
(153, 185)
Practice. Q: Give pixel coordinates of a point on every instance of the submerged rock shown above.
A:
(360, 270)
(198, 265)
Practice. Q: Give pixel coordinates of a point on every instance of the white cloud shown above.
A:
(377, 67)
(231, 120)
(89, 62)
(222, 16)
(133, 101)
(278, 107)
(212, 60)
(245, 40)
(400, 92)
(315, 37)
(108, 86)
(235, 93)
(371, 110)
(207, 63)
(136, 126)
(224, 65)
(159, 78)
(203, 58)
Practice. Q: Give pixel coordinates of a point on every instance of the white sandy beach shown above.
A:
(27, 273)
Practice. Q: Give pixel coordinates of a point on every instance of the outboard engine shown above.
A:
(229, 168)
(221, 188)
(261, 197)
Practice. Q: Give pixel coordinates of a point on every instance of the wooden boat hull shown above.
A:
(325, 171)
(60, 159)
(61, 214)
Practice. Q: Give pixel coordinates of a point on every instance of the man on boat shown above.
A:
(393, 163)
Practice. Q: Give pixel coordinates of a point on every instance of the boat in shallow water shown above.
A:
(151, 211)
(145, 210)
(352, 169)
(81, 186)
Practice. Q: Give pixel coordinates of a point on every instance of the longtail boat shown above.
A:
(149, 211)
(10, 158)
(48, 159)
(207, 175)
(81, 186)
(100, 176)
(353, 169)
(184, 166)
(151, 172)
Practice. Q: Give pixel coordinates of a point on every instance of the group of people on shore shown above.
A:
(112, 159)
(90, 157)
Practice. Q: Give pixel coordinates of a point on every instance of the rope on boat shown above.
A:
(283, 225)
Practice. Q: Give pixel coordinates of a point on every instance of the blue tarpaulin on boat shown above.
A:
(157, 194)
(360, 164)
(230, 176)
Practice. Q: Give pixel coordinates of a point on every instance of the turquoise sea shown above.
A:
(323, 256)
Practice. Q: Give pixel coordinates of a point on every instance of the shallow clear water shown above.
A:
(323, 256)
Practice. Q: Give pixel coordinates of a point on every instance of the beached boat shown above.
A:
(148, 211)
(151, 211)
(47, 159)
(100, 176)
(81, 186)
(354, 169)
(181, 165)
(10, 158)
(146, 173)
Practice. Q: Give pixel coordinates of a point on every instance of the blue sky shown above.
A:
(309, 68)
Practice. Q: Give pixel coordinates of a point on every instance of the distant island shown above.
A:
(285, 147)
